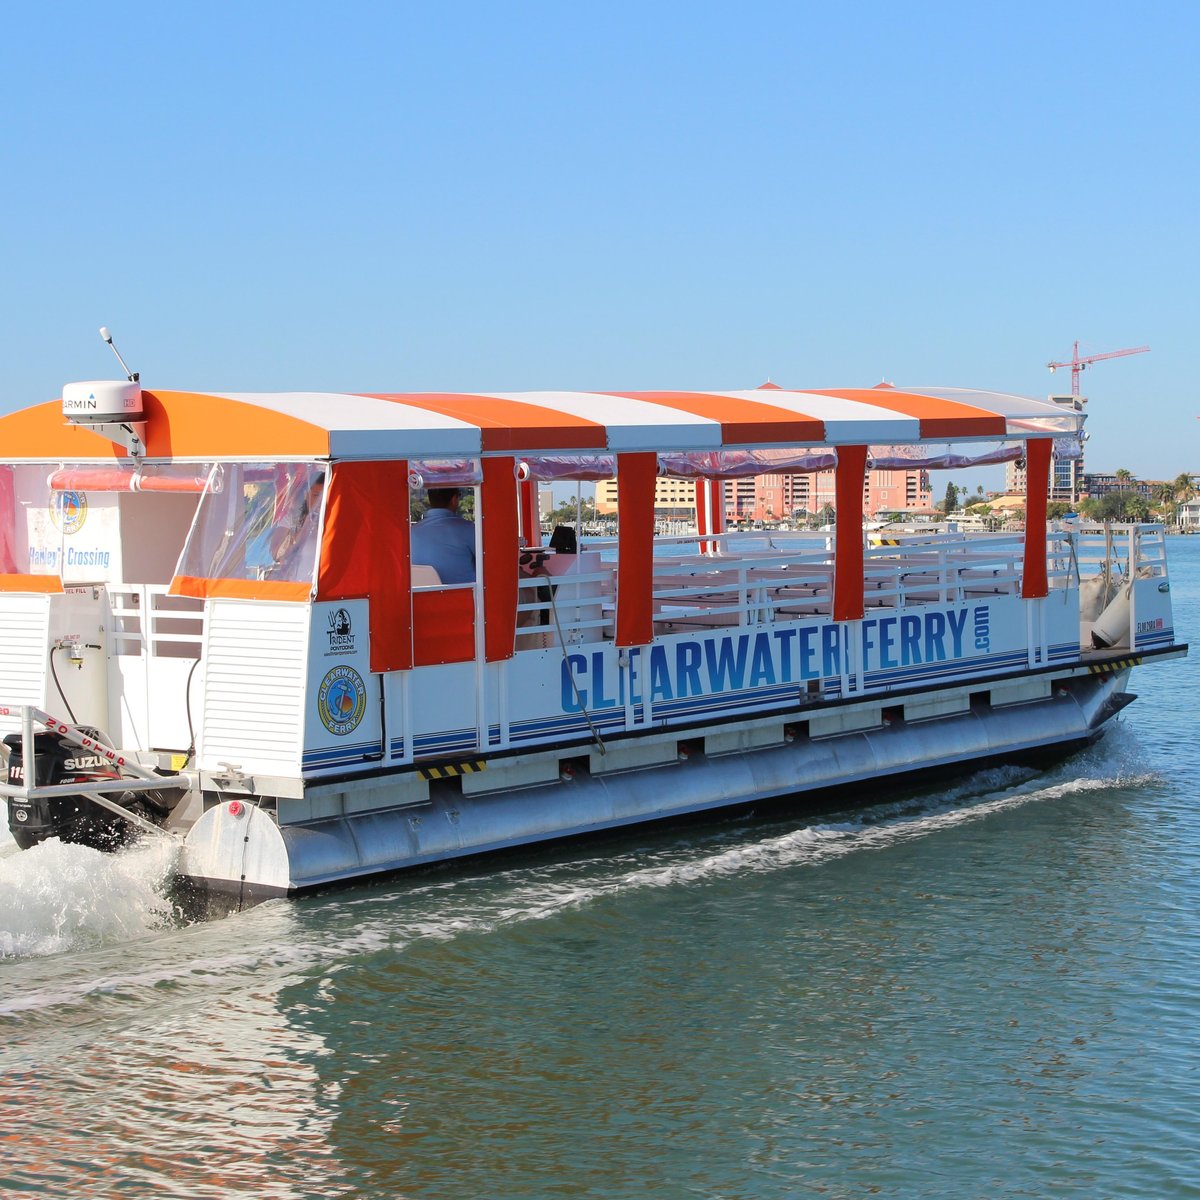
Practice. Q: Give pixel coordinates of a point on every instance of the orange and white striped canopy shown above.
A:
(429, 425)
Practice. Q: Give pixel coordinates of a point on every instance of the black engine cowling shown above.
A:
(70, 818)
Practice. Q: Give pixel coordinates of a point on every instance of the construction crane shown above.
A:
(1078, 364)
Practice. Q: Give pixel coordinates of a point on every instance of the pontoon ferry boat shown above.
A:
(211, 626)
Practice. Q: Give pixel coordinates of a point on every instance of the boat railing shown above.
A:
(134, 776)
(724, 590)
(762, 579)
(565, 609)
(1122, 550)
(148, 621)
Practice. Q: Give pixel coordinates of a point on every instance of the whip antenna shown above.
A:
(132, 376)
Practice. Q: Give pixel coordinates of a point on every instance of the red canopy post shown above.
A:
(710, 511)
(716, 492)
(637, 474)
(498, 511)
(1037, 492)
(531, 518)
(702, 514)
(848, 481)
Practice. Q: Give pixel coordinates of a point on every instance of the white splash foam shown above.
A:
(7, 845)
(58, 897)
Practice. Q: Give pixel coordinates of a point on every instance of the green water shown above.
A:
(987, 990)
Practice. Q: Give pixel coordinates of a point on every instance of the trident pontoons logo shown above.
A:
(68, 511)
(342, 700)
(341, 635)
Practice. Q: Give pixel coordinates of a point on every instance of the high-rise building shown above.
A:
(1066, 474)
(673, 497)
(739, 500)
(778, 497)
(782, 496)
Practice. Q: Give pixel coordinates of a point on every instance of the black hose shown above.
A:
(54, 673)
(187, 700)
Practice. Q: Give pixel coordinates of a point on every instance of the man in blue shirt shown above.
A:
(443, 540)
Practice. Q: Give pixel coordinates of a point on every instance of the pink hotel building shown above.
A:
(776, 497)
(773, 497)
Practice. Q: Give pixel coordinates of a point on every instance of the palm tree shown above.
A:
(1124, 477)
(1185, 491)
(1164, 496)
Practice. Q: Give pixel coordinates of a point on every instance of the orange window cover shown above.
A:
(443, 626)
(498, 509)
(365, 552)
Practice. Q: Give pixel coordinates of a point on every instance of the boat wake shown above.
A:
(58, 897)
(485, 903)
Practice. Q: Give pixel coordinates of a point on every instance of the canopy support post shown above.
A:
(849, 479)
(637, 474)
(716, 504)
(710, 512)
(1034, 583)
(499, 567)
(531, 519)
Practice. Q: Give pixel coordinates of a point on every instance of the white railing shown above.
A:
(1115, 563)
(796, 580)
(763, 578)
(575, 608)
(133, 777)
(149, 622)
(1122, 549)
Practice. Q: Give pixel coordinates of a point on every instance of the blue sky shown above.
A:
(608, 196)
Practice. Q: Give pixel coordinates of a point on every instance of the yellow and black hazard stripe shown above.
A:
(1114, 665)
(884, 541)
(452, 770)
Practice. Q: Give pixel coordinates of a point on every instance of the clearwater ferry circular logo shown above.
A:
(342, 700)
(68, 511)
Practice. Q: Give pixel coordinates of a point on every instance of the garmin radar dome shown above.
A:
(102, 400)
(110, 407)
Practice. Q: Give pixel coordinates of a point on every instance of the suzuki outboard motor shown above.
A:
(71, 818)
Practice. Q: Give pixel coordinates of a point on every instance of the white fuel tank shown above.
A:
(1111, 629)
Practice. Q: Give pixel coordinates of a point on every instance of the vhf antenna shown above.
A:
(132, 376)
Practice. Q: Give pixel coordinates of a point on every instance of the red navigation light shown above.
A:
(235, 808)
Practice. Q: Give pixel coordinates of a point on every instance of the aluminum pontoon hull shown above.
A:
(237, 851)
